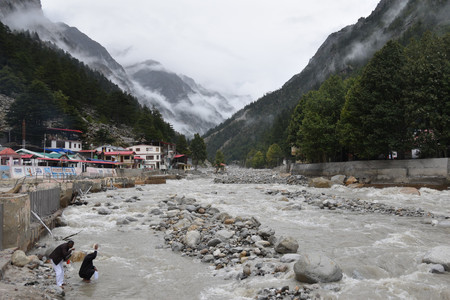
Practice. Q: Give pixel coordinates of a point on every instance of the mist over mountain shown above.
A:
(343, 52)
(182, 102)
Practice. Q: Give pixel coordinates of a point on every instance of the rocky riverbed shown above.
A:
(239, 248)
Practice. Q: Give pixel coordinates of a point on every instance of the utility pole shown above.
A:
(45, 141)
(23, 133)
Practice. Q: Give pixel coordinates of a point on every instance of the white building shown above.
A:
(150, 155)
(58, 138)
(109, 148)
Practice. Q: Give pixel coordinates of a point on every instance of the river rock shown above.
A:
(103, 211)
(192, 238)
(410, 191)
(290, 257)
(351, 180)
(286, 245)
(314, 268)
(438, 255)
(214, 242)
(19, 258)
(443, 223)
(77, 256)
(320, 182)
(224, 234)
(338, 179)
(437, 269)
(266, 232)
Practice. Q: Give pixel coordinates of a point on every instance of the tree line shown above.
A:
(399, 101)
(51, 86)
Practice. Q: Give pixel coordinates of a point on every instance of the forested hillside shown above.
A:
(52, 88)
(399, 102)
(344, 53)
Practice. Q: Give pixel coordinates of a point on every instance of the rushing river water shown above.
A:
(380, 254)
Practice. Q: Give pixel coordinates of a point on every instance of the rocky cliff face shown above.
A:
(188, 106)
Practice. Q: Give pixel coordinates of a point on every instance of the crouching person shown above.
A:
(87, 268)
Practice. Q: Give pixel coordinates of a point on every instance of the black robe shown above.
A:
(87, 268)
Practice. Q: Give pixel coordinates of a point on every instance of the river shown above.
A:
(380, 254)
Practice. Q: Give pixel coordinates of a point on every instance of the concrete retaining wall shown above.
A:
(16, 220)
(435, 171)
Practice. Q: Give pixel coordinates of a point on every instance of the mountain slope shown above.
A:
(189, 107)
(184, 103)
(342, 52)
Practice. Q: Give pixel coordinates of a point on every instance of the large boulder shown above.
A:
(19, 258)
(286, 245)
(438, 255)
(320, 182)
(314, 268)
(338, 179)
(351, 180)
(77, 256)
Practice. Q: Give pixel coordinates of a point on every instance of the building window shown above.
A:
(149, 157)
(138, 149)
(126, 157)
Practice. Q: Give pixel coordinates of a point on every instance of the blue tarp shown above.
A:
(59, 150)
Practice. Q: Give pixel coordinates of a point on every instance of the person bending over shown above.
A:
(57, 257)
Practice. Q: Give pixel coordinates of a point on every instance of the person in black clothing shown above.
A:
(57, 257)
(87, 268)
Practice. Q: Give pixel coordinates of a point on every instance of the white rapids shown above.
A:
(380, 255)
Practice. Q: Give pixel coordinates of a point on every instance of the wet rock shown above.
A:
(338, 179)
(351, 180)
(286, 245)
(103, 211)
(266, 232)
(177, 246)
(214, 242)
(438, 255)
(77, 256)
(19, 258)
(314, 268)
(443, 224)
(192, 238)
(224, 234)
(122, 222)
(320, 182)
(288, 258)
(437, 269)
(156, 211)
(410, 191)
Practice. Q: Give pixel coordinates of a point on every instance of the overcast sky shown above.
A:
(233, 46)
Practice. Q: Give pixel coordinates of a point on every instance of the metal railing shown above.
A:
(44, 202)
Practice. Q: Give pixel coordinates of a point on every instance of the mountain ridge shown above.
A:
(343, 52)
(179, 110)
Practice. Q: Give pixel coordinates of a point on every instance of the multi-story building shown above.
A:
(149, 154)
